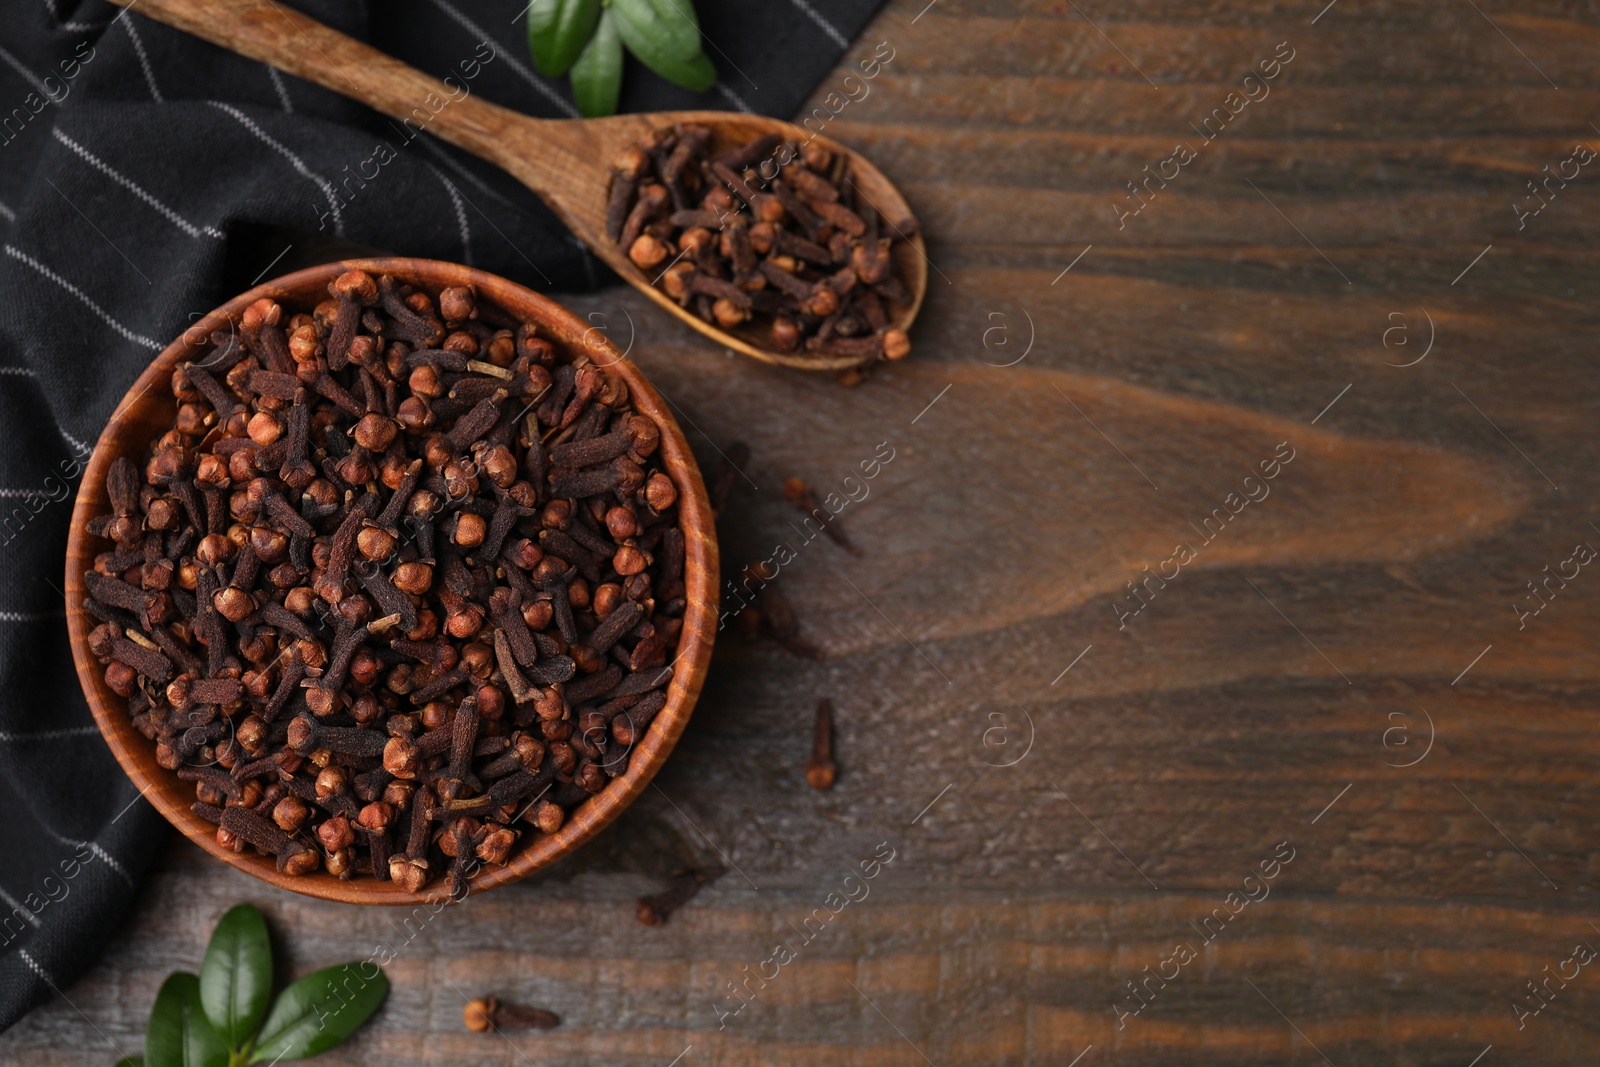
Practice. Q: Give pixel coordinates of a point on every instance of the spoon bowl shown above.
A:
(575, 187)
(565, 162)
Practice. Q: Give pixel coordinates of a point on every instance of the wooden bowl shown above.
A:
(148, 410)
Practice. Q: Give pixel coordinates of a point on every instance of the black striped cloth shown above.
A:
(145, 177)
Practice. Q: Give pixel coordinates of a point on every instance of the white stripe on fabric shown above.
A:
(109, 858)
(33, 79)
(24, 494)
(105, 316)
(33, 965)
(516, 65)
(18, 906)
(823, 24)
(461, 214)
(133, 187)
(144, 61)
(17, 616)
(282, 89)
(94, 846)
(294, 160)
(49, 735)
(429, 142)
(21, 372)
(6, 213)
(731, 95)
(82, 448)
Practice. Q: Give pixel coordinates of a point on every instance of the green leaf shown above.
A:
(319, 1011)
(671, 24)
(236, 977)
(666, 38)
(178, 1034)
(558, 31)
(697, 75)
(597, 75)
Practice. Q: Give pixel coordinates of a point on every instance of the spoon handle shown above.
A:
(297, 44)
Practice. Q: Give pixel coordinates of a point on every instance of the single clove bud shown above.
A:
(655, 910)
(820, 769)
(488, 1013)
(293, 858)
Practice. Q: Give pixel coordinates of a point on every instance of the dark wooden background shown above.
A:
(1267, 694)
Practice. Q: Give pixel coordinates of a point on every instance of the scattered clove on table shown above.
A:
(775, 616)
(656, 909)
(755, 602)
(485, 1014)
(821, 771)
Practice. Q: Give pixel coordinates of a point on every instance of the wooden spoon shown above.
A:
(565, 162)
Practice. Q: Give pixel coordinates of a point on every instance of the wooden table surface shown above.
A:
(1349, 671)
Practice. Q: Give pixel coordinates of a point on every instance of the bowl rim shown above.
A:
(136, 755)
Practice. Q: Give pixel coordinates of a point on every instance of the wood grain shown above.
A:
(1420, 900)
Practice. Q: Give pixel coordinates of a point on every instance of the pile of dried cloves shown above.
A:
(400, 585)
(773, 231)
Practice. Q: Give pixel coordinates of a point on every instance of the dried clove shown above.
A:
(760, 235)
(488, 1013)
(821, 771)
(656, 909)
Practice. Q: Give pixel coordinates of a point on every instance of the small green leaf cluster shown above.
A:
(222, 1017)
(586, 38)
